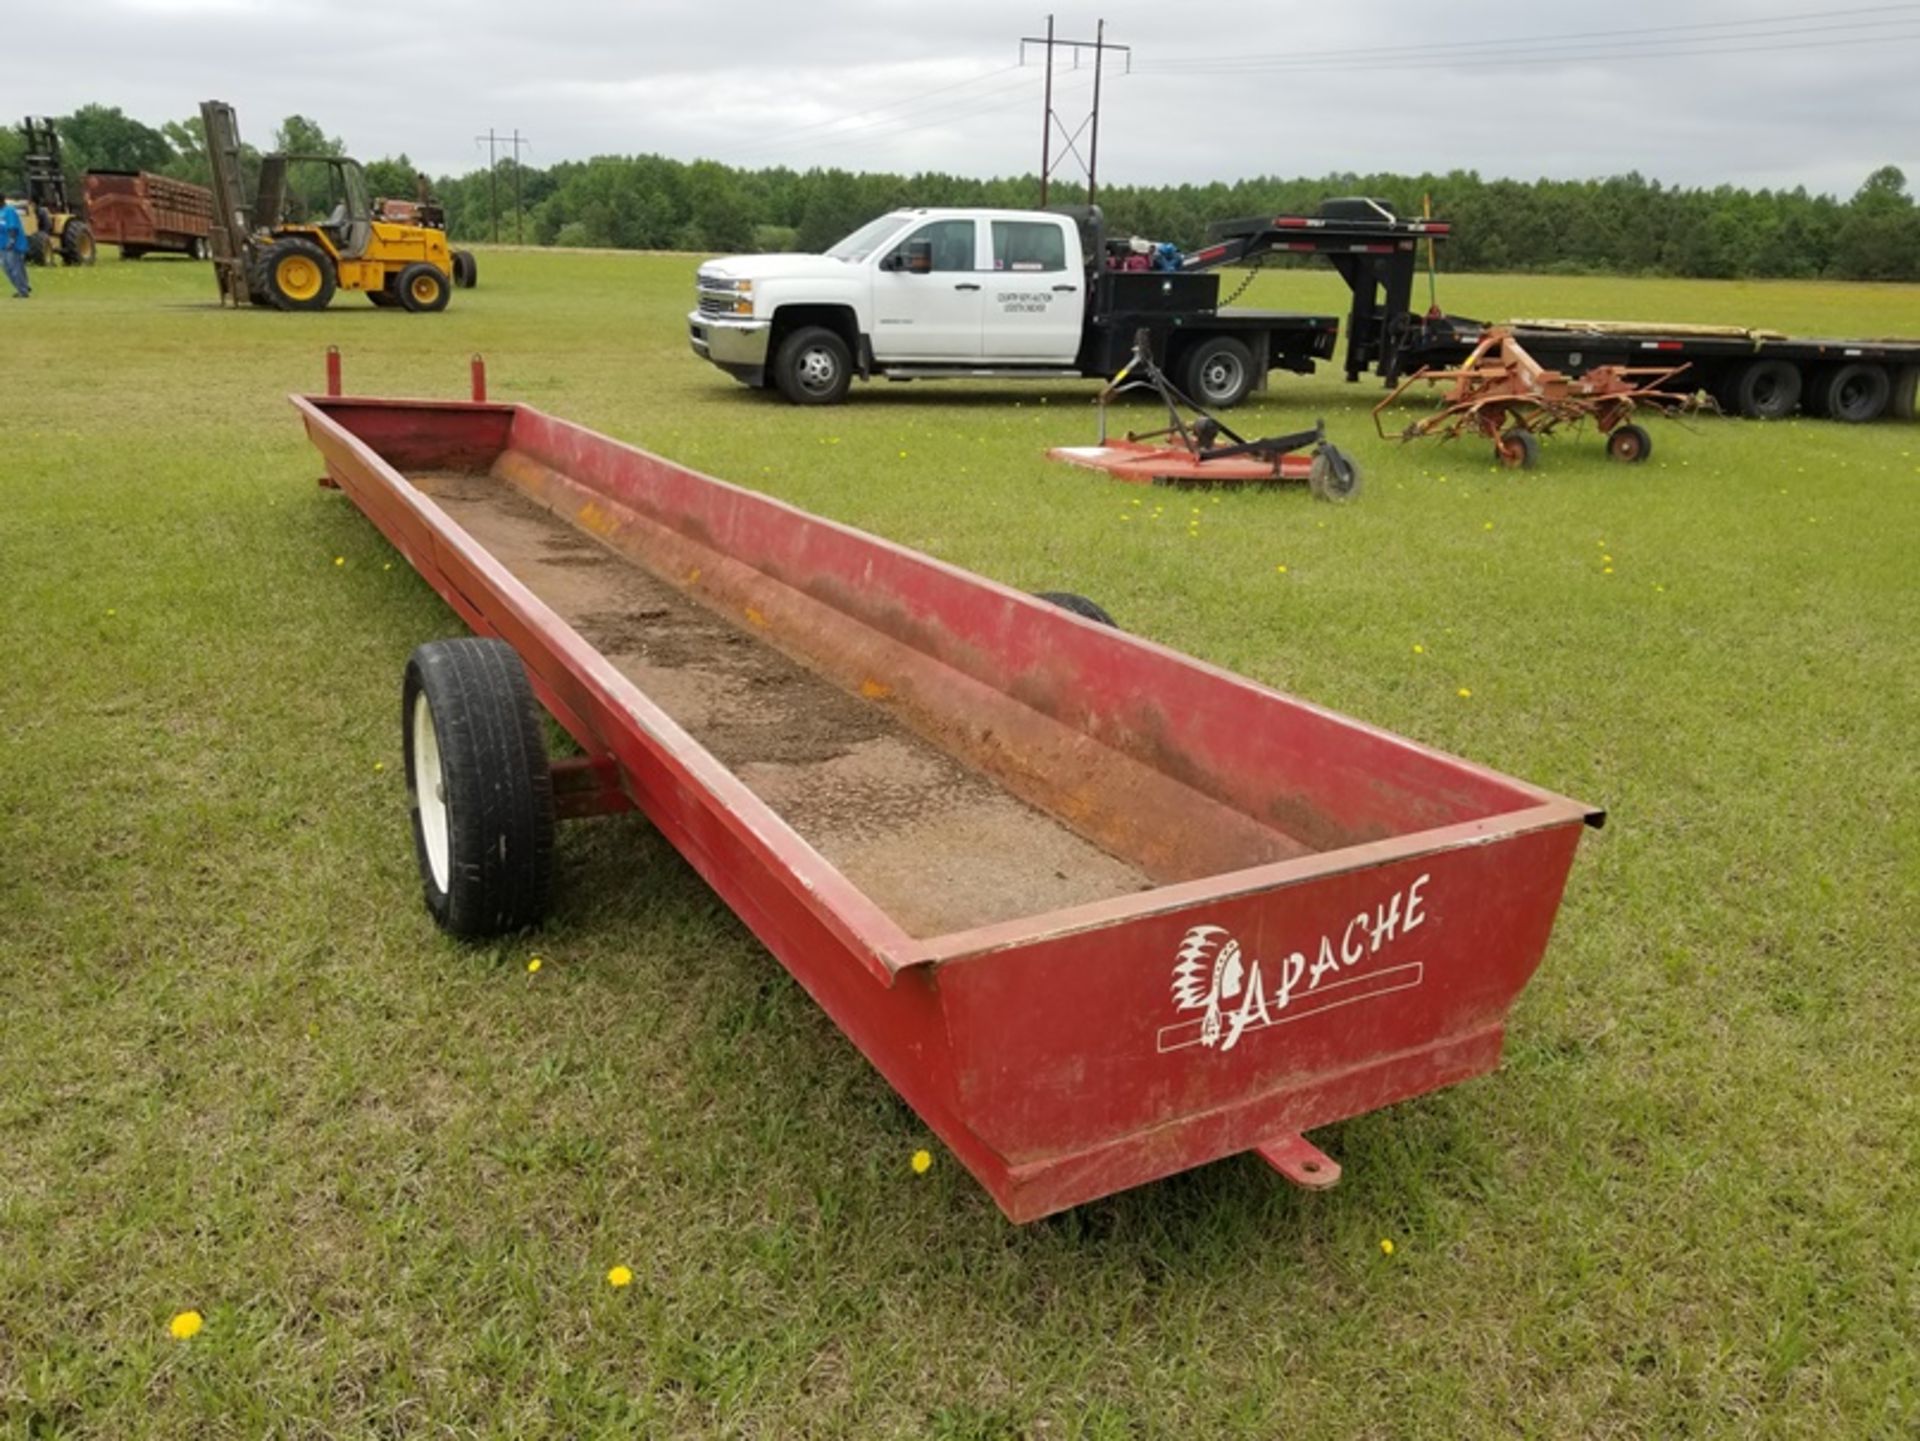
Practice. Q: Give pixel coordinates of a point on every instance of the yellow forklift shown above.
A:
(56, 230)
(263, 255)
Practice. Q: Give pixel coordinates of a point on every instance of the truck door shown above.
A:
(934, 314)
(1036, 302)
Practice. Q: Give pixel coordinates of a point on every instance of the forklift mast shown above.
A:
(232, 211)
(46, 178)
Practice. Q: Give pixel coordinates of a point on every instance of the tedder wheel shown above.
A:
(1334, 475)
(1767, 389)
(1629, 443)
(294, 274)
(1856, 393)
(1219, 373)
(813, 367)
(1078, 605)
(76, 243)
(1906, 381)
(479, 787)
(424, 287)
(1518, 449)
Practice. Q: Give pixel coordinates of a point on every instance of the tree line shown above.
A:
(1625, 224)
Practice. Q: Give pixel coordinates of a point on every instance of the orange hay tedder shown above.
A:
(1503, 393)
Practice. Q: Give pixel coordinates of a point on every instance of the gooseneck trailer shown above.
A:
(1099, 911)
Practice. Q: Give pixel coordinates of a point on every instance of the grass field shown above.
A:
(241, 1073)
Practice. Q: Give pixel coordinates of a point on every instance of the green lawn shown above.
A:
(240, 1072)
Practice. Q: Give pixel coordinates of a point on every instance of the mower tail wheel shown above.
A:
(479, 787)
(1518, 449)
(1078, 604)
(1334, 475)
(1629, 444)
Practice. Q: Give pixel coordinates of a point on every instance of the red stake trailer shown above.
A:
(1100, 912)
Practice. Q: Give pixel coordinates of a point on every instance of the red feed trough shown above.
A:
(1100, 912)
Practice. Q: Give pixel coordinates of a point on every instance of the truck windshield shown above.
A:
(863, 242)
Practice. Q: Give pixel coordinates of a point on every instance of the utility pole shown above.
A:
(493, 184)
(1049, 121)
(518, 141)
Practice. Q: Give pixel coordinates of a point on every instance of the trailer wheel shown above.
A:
(1219, 373)
(1334, 475)
(813, 367)
(1906, 381)
(76, 243)
(293, 274)
(478, 787)
(1856, 393)
(1629, 444)
(1767, 389)
(199, 248)
(1518, 449)
(423, 287)
(1078, 604)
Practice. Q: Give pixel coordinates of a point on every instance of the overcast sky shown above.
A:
(1757, 94)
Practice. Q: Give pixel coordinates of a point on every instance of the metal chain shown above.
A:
(1258, 262)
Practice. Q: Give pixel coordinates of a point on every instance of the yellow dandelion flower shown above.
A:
(113, 612)
(339, 560)
(1464, 693)
(1607, 571)
(1281, 569)
(1606, 560)
(619, 1276)
(186, 1325)
(1487, 526)
(1386, 1246)
(922, 1162)
(379, 766)
(1419, 650)
(533, 966)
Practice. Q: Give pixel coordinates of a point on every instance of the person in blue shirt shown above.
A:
(13, 249)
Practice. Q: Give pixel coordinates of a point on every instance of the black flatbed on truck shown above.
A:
(1760, 374)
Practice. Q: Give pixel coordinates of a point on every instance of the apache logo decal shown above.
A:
(1234, 995)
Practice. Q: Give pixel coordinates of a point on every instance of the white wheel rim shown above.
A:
(430, 794)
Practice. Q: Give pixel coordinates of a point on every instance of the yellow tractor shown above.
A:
(55, 230)
(263, 255)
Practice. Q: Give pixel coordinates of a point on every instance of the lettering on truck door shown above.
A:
(1037, 298)
(934, 316)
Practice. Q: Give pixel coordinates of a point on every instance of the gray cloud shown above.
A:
(1799, 94)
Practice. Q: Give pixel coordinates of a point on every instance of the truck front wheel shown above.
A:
(813, 367)
(1219, 373)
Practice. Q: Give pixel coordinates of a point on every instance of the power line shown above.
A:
(1506, 43)
(913, 100)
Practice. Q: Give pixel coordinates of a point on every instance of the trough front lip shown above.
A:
(878, 941)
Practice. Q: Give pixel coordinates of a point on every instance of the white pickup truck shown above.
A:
(984, 294)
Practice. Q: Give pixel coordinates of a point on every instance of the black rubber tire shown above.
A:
(1906, 382)
(200, 248)
(466, 273)
(1334, 475)
(493, 834)
(1218, 373)
(39, 248)
(131, 252)
(1078, 604)
(813, 367)
(1518, 450)
(383, 298)
(263, 277)
(76, 243)
(1767, 389)
(1856, 393)
(412, 287)
(1629, 444)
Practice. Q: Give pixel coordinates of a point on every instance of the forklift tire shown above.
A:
(76, 243)
(424, 287)
(1855, 393)
(39, 248)
(479, 788)
(1518, 449)
(1629, 444)
(292, 274)
(466, 274)
(383, 297)
(813, 367)
(1906, 382)
(1767, 389)
(1077, 605)
(1334, 475)
(1218, 373)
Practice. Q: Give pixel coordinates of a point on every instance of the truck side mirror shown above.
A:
(919, 257)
